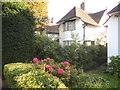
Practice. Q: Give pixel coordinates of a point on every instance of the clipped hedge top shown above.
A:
(21, 75)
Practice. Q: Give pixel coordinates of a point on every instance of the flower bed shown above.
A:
(21, 75)
(69, 74)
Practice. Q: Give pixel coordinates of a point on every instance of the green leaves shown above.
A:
(21, 75)
(114, 65)
(17, 32)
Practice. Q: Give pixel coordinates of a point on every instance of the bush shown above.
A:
(17, 32)
(21, 75)
(89, 81)
(84, 56)
(45, 47)
(69, 75)
(114, 65)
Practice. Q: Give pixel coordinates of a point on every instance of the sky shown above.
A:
(59, 8)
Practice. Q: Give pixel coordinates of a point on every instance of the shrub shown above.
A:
(114, 65)
(70, 76)
(84, 56)
(90, 81)
(45, 47)
(21, 75)
(17, 32)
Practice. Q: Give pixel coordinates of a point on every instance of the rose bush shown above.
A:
(63, 71)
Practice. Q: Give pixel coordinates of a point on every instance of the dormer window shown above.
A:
(69, 25)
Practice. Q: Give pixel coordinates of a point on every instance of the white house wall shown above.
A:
(113, 37)
(119, 35)
(66, 35)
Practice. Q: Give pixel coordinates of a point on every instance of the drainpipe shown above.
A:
(84, 25)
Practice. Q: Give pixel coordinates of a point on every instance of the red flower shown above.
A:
(75, 70)
(35, 60)
(61, 71)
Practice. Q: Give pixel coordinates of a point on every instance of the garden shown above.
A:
(67, 69)
(36, 61)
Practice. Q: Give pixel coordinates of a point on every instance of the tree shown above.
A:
(17, 32)
(40, 12)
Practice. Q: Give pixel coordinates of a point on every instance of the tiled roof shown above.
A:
(115, 9)
(97, 16)
(52, 28)
(77, 12)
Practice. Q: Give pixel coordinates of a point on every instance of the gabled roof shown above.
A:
(97, 16)
(77, 12)
(115, 9)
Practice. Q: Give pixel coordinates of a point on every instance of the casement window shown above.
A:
(69, 26)
(67, 42)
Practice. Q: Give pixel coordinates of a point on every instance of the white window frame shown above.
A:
(67, 42)
(69, 26)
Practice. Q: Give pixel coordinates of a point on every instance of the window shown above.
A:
(69, 26)
(67, 42)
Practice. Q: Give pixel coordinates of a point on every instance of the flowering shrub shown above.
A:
(63, 71)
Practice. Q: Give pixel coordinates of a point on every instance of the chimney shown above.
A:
(52, 20)
(82, 5)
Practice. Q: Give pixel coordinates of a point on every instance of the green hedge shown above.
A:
(17, 32)
(21, 75)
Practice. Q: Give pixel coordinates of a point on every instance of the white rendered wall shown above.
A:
(112, 37)
(66, 35)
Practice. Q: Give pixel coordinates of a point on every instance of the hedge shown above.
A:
(17, 32)
(22, 75)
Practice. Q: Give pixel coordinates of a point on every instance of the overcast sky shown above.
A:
(58, 8)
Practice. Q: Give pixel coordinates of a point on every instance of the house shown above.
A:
(49, 29)
(52, 31)
(113, 32)
(79, 24)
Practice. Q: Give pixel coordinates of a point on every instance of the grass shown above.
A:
(114, 81)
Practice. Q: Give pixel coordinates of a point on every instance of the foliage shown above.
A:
(17, 32)
(21, 75)
(112, 80)
(114, 65)
(69, 75)
(45, 47)
(84, 56)
(39, 10)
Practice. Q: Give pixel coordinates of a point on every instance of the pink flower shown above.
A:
(48, 59)
(35, 60)
(66, 67)
(66, 78)
(42, 60)
(67, 63)
(45, 60)
(75, 70)
(70, 74)
(61, 71)
(49, 68)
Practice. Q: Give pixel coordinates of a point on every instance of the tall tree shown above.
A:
(40, 12)
(17, 32)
